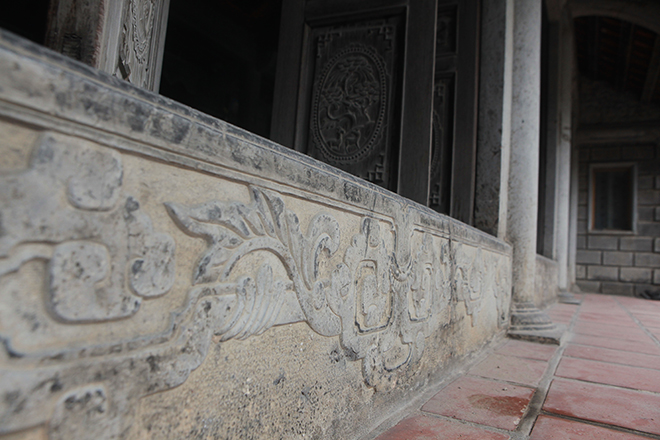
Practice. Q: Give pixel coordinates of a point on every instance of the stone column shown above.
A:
(527, 321)
(564, 141)
(572, 228)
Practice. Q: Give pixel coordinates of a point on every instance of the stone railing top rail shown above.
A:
(88, 101)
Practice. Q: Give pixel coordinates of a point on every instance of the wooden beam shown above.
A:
(415, 153)
(593, 37)
(626, 66)
(625, 37)
(653, 73)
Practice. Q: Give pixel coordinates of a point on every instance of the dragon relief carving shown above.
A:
(350, 104)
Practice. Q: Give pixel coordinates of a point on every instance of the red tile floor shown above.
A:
(603, 383)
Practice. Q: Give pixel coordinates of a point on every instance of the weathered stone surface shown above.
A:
(603, 242)
(635, 275)
(635, 243)
(603, 273)
(618, 258)
(166, 275)
(589, 257)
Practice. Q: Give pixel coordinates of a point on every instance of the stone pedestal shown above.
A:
(527, 321)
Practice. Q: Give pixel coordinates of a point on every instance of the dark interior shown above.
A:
(27, 18)
(220, 58)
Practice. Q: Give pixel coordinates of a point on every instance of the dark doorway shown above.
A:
(26, 18)
(220, 58)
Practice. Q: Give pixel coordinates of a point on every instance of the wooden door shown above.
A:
(354, 87)
(370, 87)
(455, 93)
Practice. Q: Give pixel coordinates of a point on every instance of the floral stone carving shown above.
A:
(381, 312)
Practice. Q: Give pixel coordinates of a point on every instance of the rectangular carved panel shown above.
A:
(355, 88)
(443, 108)
(441, 147)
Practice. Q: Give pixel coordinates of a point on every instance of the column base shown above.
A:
(531, 324)
(566, 297)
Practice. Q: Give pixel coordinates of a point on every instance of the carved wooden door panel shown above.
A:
(355, 78)
(355, 94)
(455, 93)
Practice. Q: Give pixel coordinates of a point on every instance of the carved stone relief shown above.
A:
(96, 243)
(260, 268)
(84, 240)
(381, 312)
(469, 278)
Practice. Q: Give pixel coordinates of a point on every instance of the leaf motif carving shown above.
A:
(234, 230)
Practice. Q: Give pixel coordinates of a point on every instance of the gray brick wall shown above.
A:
(625, 263)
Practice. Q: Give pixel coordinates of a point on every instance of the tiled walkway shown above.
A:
(603, 383)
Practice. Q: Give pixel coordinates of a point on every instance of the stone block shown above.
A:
(583, 198)
(618, 258)
(656, 245)
(582, 213)
(656, 213)
(582, 227)
(648, 197)
(640, 152)
(581, 242)
(604, 242)
(589, 286)
(645, 213)
(605, 154)
(603, 273)
(657, 182)
(636, 244)
(580, 271)
(656, 276)
(647, 259)
(648, 229)
(635, 275)
(588, 257)
(618, 288)
(645, 182)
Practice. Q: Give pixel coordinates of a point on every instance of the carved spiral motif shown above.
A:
(350, 104)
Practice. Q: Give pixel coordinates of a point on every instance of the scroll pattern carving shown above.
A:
(96, 246)
(382, 311)
(469, 279)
